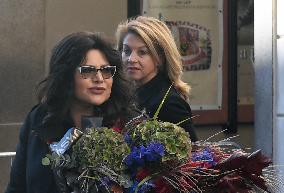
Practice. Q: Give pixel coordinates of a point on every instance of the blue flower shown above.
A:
(136, 157)
(133, 187)
(105, 181)
(155, 151)
(146, 187)
(127, 139)
(128, 160)
(157, 148)
(205, 155)
(140, 155)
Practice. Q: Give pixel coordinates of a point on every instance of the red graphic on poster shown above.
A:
(194, 44)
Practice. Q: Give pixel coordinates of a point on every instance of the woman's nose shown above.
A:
(98, 77)
(132, 57)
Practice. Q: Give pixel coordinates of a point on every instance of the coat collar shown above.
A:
(152, 88)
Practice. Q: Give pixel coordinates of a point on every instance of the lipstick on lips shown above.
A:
(97, 89)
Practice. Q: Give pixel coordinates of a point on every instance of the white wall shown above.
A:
(279, 88)
(269, 71)
(264, 77)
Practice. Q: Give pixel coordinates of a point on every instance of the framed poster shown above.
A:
(200, 31)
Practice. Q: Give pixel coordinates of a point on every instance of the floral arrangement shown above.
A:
(94, 162)
(153, 156)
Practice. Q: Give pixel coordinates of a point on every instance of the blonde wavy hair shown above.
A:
(159, 40)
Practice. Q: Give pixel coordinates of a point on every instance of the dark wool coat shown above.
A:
(28, 175)
(175, 108)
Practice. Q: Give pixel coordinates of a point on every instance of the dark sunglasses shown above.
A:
(89, 72)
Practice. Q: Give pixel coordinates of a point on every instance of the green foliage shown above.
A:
(99, 152)
(45, 161)
(54, 160)
(101, 147)
(175, 139)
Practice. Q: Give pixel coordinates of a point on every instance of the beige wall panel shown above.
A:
(28, 31)
(21, 68)
(21, 56)
(66, 16)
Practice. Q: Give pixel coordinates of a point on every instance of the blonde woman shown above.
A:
(152, 61)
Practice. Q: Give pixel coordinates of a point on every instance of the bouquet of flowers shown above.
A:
(153, 156)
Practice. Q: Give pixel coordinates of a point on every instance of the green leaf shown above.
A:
(45, 161)
(183, 154)
(161, 104)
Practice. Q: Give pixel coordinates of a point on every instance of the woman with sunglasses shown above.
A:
(85, 80)
(152, 61)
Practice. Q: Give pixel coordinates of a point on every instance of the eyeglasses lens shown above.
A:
(90, 72)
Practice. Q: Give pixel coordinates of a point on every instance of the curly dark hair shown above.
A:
(57, 90)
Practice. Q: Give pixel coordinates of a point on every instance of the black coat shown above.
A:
(175, 108)
(28, 175)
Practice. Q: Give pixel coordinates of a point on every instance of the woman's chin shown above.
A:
(134, 77)
(98, 102)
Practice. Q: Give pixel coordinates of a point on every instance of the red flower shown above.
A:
(142, 173)
(162, 187)
(194, 165)
(232, 183)
(248, 166)
(117, 129)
